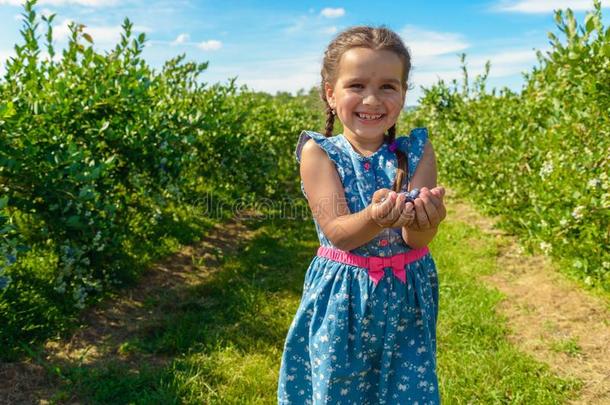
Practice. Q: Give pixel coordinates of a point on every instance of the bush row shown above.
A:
(539, 159)
(101, 157)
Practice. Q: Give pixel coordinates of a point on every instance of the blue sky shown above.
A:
(278, 45)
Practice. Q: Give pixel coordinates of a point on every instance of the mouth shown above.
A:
(369, 117)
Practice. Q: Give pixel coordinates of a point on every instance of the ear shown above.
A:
(330, 95)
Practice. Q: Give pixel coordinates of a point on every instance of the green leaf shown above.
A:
(88, 37)
(74, 222)
(110, 160)
(7, 110)
(590, 22)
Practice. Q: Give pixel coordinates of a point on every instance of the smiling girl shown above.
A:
(365, 329)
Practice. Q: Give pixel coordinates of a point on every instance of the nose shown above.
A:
(370, 98)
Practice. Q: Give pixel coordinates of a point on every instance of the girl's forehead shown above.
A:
(370, 62)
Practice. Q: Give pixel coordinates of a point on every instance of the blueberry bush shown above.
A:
(539, 159)
(100, 154)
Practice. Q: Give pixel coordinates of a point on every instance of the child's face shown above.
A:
(368, 82)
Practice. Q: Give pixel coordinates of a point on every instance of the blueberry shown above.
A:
(411, 195)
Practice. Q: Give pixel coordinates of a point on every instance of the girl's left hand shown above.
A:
(429, 209)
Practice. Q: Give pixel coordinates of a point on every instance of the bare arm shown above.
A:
(424, 178)
(328, 203)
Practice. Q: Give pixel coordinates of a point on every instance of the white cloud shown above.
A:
(516, 58)
(181, 39)
(333, 12)
(102, 35)
(298, 25)
(57, 3)
(211, 45)
(504, 64)
(5, 54)
(273, 74)
(330, 30)
(425, 44)
(545, 6)
(46, 12)
(291, 83)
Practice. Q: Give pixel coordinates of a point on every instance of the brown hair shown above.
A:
(379, 38)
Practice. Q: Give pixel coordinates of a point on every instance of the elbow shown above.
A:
(341, 243)
(416, 243)
(338, 237)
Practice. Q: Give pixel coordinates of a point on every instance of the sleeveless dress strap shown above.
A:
(332, 150)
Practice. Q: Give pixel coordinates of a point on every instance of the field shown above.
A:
(130, 275)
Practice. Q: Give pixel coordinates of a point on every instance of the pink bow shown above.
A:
(377, 264)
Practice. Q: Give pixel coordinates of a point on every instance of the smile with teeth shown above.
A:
(369, 117)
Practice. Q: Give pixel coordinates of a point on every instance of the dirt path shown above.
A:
(108, 325)
(550, 317)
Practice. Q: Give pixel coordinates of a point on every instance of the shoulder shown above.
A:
(312, 152)
(318, 143)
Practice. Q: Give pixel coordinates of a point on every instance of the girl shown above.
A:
(365, 330)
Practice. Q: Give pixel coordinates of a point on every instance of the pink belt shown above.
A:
(376, 264)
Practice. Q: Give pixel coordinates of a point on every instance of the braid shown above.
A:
(392, 133)
(402, 169)
(330, 121)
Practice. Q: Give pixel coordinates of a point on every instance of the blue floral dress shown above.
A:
(353, 341)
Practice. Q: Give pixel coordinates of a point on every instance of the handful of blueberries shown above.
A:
(411, 195)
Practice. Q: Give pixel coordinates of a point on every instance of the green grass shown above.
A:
(570, 346)
(225, 339)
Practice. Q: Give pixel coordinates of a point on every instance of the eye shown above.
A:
(356, 85)
(388, 86)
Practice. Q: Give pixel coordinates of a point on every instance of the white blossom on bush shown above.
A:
(578, 212)
(546, 169)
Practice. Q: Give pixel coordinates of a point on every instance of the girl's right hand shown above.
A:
(388, 209)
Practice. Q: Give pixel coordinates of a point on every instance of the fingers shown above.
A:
(427, 211)
(397, 209)
(431, 204)
(406, 216)
(421, 217)
(436, 197)
(380, 194)
(388, 204)
(441, 191)
(381, 210)
(429, 208)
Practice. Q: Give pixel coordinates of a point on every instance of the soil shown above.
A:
(550, 316)
(106, 326)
